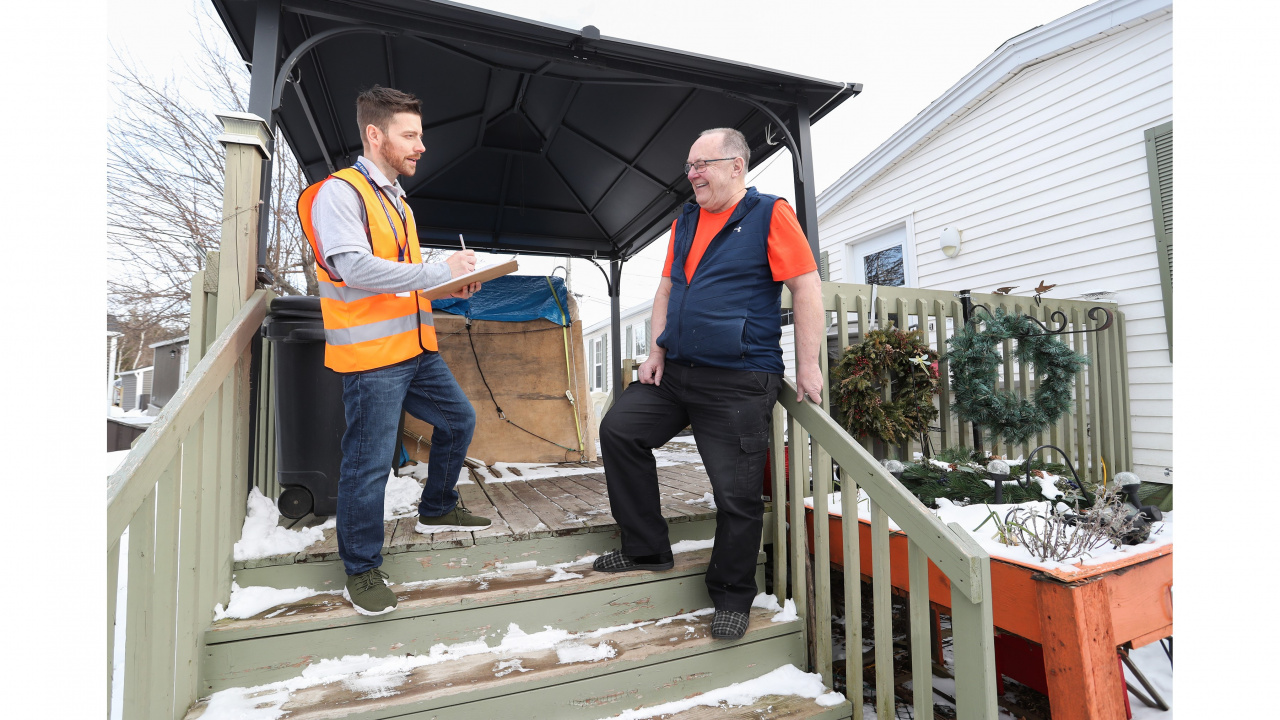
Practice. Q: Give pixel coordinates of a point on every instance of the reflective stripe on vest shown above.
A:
(371, 331)
(367, 330)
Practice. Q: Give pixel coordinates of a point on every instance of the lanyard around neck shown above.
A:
(400, 250)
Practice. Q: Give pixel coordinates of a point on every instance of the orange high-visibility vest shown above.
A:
(366, 330)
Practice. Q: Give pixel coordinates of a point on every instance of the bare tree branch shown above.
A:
(165, 185)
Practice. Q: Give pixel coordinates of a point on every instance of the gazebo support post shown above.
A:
(806, 201)
(615, 325)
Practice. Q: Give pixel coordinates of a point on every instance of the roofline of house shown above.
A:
(173, 341)
(136, 370)
(1086, 25)
(625, 313)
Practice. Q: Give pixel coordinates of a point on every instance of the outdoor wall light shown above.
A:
(999, 471)
(950, 241)
(894, 467)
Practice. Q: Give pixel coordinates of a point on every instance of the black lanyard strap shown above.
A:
(400, 250)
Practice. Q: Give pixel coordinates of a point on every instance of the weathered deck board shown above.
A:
(524, 523)
(551, 514)
(527, 508)
(554, 490)
(591, 490)
(477, 501)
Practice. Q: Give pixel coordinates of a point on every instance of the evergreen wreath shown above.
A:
(974, 369)
(858, 384)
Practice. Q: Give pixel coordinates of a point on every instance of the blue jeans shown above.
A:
(374, 400)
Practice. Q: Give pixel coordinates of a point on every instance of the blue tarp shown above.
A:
(513, 298)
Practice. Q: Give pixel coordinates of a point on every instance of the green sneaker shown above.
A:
(456, 519)
(368, 593)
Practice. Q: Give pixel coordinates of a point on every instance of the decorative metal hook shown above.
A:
(1066, 459)
(770, 137)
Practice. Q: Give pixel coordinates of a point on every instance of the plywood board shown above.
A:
(524, 365)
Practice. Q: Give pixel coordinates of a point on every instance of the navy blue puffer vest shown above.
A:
(728, 317)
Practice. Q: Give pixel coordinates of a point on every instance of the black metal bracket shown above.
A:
(1057, 316)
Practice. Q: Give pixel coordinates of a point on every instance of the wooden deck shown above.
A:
(527, 509)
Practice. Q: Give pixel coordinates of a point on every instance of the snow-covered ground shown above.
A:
(132, 417)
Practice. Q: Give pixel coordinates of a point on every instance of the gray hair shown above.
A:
(733, 142)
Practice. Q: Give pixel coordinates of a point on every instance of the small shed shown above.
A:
(170, 365)
(135, 389)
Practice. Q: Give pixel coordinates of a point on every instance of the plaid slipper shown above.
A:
(615, 561)
(729, 625)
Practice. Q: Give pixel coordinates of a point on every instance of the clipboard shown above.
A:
(480, 275)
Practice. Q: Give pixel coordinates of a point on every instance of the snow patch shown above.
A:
(707, 499)
(685, 546)
(249, 601)
(784, 613)
(785, 680)
(580, 652)
(263, 537)
(402, 497)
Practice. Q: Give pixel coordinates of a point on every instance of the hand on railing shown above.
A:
(809, 383)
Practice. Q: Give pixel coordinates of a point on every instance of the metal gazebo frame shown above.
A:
(540, 139)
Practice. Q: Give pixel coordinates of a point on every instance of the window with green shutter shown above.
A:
(1160, 172)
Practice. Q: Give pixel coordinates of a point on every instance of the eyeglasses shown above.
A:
(701, 165)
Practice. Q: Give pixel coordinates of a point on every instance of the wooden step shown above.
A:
(649, 664)
(282, 642)
(411, 563)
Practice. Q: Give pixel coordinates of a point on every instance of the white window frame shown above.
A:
(598, 349)
(878, 239)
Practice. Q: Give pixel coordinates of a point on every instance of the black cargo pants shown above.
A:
(730, 411)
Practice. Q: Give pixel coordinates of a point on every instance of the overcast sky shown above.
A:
(906, 54)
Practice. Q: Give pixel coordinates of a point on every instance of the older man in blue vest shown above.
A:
(716, 365)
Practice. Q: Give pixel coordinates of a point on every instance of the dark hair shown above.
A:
(377, 105)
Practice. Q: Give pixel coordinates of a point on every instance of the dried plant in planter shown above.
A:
(1058, 536)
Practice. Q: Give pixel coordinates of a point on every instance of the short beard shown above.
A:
(402, 167)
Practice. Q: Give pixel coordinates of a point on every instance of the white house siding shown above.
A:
(1046, 178)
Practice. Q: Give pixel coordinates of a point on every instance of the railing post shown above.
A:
(966, 309)
(973, 638)
(247, 139)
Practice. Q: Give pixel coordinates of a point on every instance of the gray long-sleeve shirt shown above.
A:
(338, 216)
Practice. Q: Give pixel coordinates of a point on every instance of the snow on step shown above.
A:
(784, 692)
(337, 687)
(259, 606)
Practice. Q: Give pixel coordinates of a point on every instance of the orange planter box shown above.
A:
(1078, 618)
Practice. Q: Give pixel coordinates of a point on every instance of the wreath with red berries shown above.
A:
(903, 361)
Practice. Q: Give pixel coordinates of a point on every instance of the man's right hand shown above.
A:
(461, 262)
(651, 369)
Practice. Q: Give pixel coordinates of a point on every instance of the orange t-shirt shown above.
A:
(789, 253)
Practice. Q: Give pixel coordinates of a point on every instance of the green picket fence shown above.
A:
(1095, 433)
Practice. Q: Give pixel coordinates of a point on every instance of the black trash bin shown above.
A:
(310, 417)
(309, 410)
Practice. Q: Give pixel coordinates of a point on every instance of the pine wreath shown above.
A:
(857, 382)
(974, 369)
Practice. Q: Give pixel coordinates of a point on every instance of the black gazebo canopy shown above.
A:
(539, 139)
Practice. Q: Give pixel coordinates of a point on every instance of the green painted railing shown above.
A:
(180, 493)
